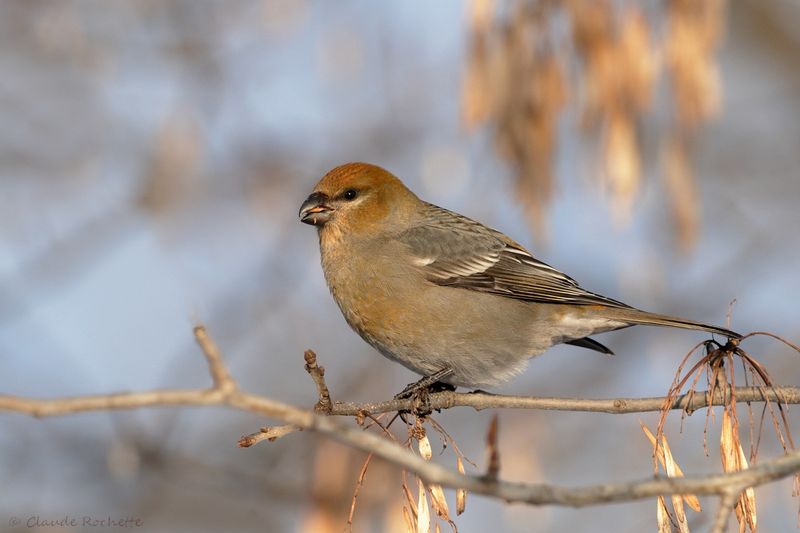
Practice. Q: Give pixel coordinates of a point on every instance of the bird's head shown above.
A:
(357, 198)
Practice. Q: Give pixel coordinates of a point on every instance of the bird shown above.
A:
(444, 295)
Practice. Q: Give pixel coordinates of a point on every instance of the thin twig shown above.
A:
(359, 483)
(223, 381)
(317, 373)
(268, 433)
(493, 450)
(726, 504)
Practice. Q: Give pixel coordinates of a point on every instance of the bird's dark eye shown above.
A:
(350, 194)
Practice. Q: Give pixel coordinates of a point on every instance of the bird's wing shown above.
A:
(455, 251)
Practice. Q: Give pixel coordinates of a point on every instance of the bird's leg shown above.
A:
(419, 391)
(430, 383)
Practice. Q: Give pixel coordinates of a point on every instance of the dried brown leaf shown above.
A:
(734, 460)
(726, 442)
(412, 504)
(475, 98)
(461, 494)
(439, 502)
(662, 516)
(425, 448)
(748, 501)
(671, 467)
(648, 434)
(677, 499)
(622, 164)
(692, 38)
(423, 512)
(408, 520)
(674, 470)
(477, 89)
(637, 56)
(492, 451)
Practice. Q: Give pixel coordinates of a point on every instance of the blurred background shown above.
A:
(153, 156)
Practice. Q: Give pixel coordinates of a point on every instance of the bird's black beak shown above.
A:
(315, 211)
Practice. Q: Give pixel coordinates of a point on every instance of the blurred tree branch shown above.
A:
(225, 392)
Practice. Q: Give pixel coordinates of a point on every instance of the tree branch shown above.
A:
(317, 373)
(485, 400)
(727, 502)
(537, 494)
(223, 381)
(225, 392)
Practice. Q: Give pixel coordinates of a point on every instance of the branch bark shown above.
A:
(225, 392)
(537, 494)
(485, 400)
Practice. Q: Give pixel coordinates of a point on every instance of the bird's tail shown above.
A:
(635, 316)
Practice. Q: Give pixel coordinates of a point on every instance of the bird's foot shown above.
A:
(420, 390)
(432, 383)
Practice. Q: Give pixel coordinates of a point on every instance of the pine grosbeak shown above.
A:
(441, 293)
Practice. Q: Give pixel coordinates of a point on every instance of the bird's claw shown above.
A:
(420, 390)
(430, 383)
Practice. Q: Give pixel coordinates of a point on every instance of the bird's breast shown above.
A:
(379, 294)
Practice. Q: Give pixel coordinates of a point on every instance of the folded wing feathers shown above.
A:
(459, 252)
